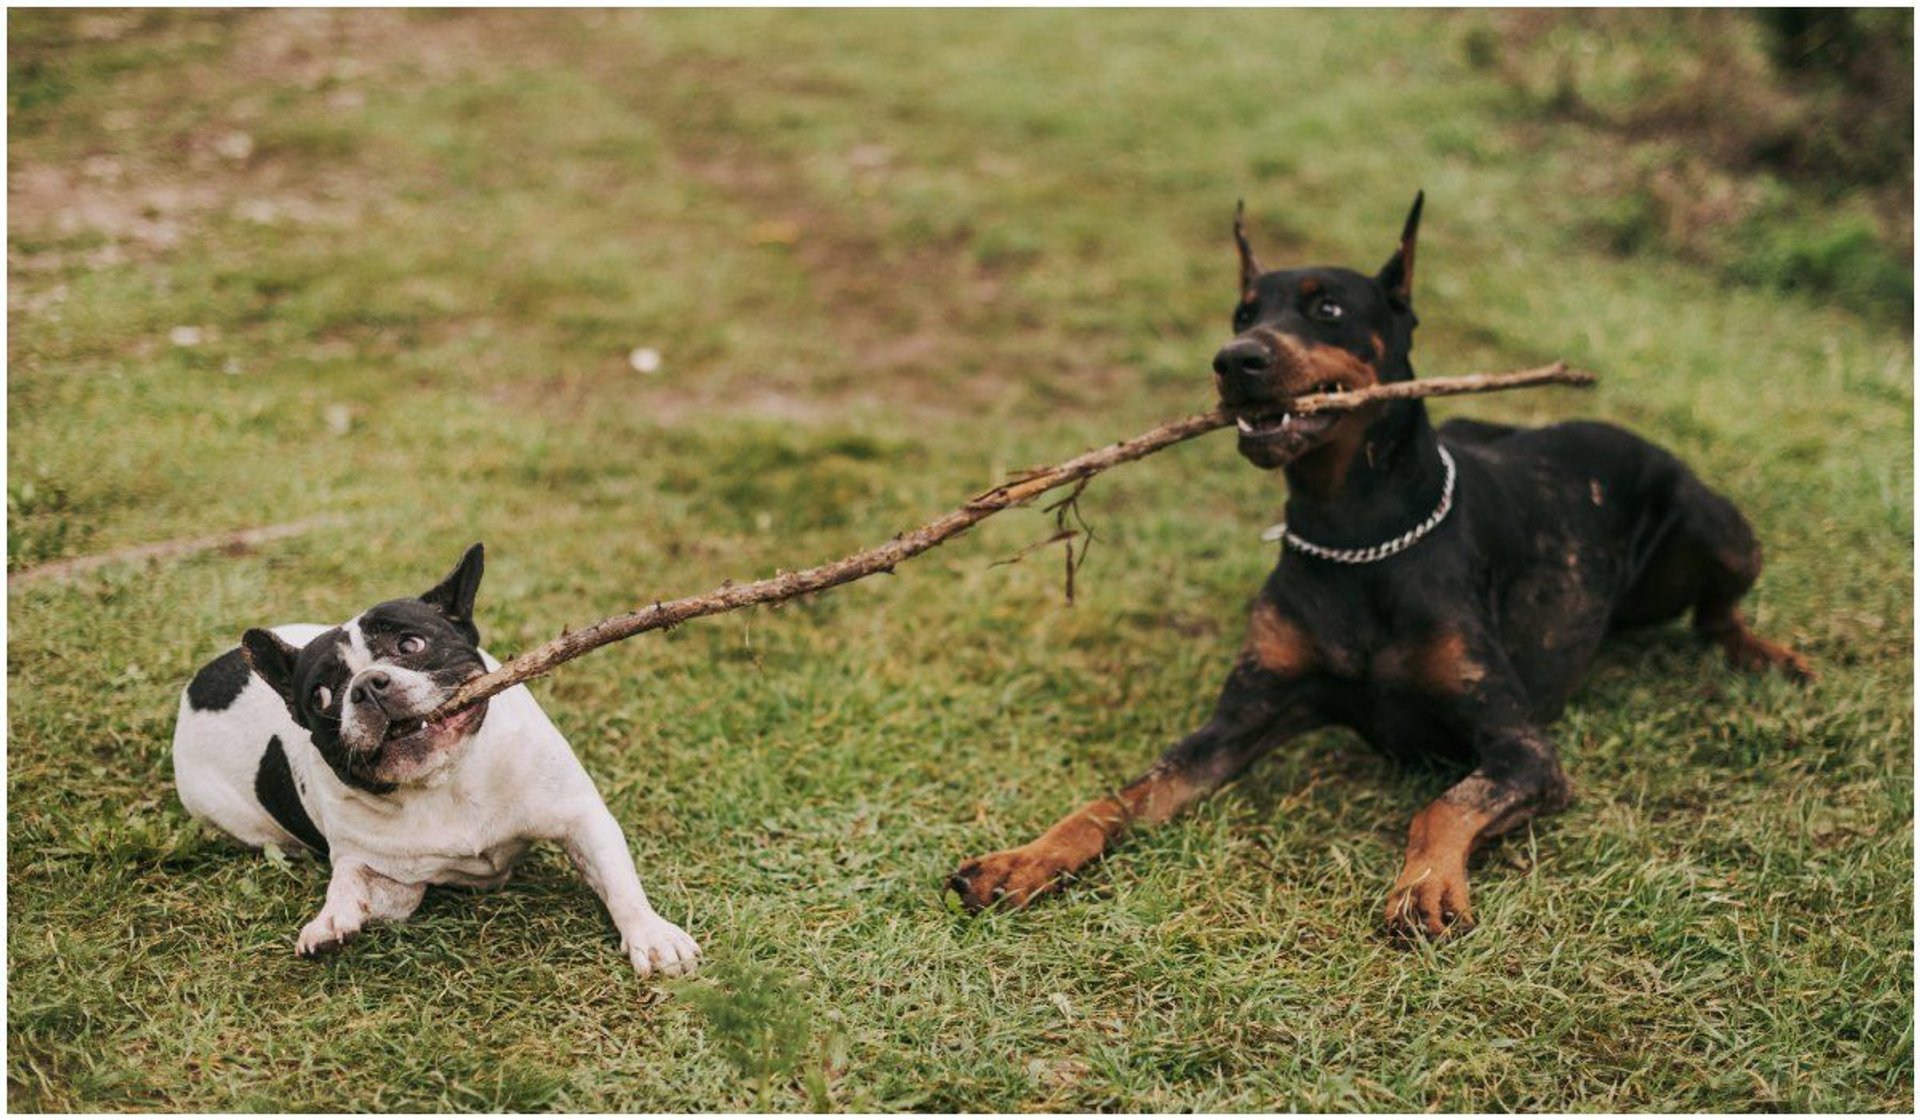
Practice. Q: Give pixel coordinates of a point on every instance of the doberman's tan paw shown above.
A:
(1431, 901)
(1009, 879)
(1752, 653)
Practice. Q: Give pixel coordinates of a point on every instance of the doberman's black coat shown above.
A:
(1462, 647)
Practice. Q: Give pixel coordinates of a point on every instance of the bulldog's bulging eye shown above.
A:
(322, 696)
(1327, 311)
(412, 643)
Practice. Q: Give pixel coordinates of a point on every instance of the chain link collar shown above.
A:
(1380, 551)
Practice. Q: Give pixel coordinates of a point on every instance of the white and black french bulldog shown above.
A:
(313, 736)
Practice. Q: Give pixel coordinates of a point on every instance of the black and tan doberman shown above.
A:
(1441, 592)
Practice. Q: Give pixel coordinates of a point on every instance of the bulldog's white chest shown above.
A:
(512, 788)
(484, 867)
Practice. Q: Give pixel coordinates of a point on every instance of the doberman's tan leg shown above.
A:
(1750, 652)
(1017, 876)
(1430, 894)
(1258, 709)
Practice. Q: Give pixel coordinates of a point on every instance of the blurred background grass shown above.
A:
(392, 268)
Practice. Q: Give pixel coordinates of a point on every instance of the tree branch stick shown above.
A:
(1017, 491)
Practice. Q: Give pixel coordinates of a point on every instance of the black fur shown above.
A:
(453, 596)
(219, 683)
(274, 785)
(1459, 649)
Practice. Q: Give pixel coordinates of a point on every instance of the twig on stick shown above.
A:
(1056, 538)
(1024, 488)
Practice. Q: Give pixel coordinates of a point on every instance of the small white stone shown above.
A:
(107, 169)
(339, 419)
(236, 146)
(644, 360)
(869, 157)
(185, 336)
(260, 211)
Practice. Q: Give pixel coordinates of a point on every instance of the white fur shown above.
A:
(513, 782)
(356, 655)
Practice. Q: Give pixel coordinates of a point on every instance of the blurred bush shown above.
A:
(1775, 146)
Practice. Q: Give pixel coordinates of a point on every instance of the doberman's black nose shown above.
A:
(1242, 363)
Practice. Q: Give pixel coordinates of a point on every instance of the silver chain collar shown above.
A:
(1381, 551)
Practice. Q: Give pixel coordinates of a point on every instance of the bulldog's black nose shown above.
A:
(1242, 363)
(374, 682)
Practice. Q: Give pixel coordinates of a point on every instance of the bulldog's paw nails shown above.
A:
(320, 937)
(660, 946)
(1429, 902)
(1009, 879)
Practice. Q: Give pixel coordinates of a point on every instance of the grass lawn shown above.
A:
(268, 267)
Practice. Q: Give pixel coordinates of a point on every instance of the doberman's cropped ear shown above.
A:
(1397, 276)
(453, 596)
(1249, 269)
(272, 659)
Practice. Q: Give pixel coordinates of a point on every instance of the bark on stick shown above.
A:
(1014, 492)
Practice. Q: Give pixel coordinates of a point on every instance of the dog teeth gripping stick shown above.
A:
(1017, 491)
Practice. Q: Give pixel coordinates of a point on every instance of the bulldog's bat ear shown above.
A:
(1249, 268)
(272, 660)
(1397, 276)
(453, 596)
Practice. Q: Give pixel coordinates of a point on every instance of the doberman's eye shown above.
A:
(322, 696)
(1242, 317)
(1327, 311)
(412, 643)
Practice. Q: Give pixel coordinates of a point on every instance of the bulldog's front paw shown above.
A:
(1009, 879)
(660, 946)
(322, 936)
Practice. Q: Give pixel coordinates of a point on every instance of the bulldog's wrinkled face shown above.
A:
(362, 689)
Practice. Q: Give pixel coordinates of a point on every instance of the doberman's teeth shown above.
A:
(1246, 425)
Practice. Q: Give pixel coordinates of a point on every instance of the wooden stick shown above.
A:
(232, 543)
(1017, 491)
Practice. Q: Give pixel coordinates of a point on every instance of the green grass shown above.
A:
(888, 257)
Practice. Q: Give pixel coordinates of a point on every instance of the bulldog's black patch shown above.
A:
(217, 685)
(280, 797)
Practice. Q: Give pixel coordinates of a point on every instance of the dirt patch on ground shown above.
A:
(132, 190)
(926, 326)
(906, 313)
(141, 188)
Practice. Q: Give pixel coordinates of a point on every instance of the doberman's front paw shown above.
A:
(1431, 901)
(1752, 653)
(1009, 879)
